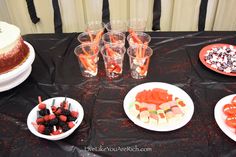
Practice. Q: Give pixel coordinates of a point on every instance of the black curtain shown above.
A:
(105, 11)
(57, 17)
(32, 11)
(156, 15)
(202, 15)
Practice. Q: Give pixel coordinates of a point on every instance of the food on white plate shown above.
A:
(13, 50)
(222, 58)
(157, 107)
(230, 112)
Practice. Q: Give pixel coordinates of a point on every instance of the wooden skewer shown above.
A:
(39, 99)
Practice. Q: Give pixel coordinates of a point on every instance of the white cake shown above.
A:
(13, 50)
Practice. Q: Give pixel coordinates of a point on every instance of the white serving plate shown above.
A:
(9, 84)
(175, 91)
(220, 116)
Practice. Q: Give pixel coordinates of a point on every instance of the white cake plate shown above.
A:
(7, 85)
(20, 69)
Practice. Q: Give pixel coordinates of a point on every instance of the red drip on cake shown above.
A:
(14, 58)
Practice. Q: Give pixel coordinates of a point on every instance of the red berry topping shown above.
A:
(63, 118)
(57, 132)
(58, 112)
(66, 106)
(53, 108)
(46, 117)
(39, 120)
(52, 116)
(74, 114)
(71, 124)
(42, 106)
(41, 128)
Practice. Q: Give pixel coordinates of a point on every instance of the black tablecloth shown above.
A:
(105, 126)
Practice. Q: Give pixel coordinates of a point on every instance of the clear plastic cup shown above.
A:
(137, 24)
(113, 56)
(114, 38)
(87, 55)
(87, 37)
(139, 58)
(95, 26)
(116, 26)
(139, 38)
(96, 30)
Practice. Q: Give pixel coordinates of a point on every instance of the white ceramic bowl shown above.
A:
(75, 106)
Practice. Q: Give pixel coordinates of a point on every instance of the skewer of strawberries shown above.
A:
(55, 122)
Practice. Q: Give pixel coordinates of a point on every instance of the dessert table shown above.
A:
(105, 129)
